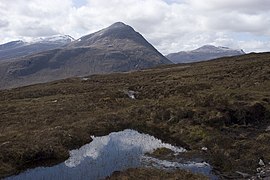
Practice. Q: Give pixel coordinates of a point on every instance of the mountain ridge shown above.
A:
(206, 52)
(19, 48)
(118, 48)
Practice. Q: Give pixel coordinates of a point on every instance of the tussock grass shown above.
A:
(223, 105)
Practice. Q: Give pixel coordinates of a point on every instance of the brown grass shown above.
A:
(222, 104)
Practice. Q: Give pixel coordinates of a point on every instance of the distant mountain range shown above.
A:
(20, 48)
(118, 48)
(203, 53)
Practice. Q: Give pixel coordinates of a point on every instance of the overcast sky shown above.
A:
(170, 25)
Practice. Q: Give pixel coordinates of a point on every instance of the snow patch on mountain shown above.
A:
(59, 39)
(214, 49)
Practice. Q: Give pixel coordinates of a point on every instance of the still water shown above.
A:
(114, 152)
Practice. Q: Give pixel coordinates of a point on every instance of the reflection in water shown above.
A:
(195, 167)
(104, 155)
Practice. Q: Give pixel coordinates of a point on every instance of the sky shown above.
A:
(170, 25)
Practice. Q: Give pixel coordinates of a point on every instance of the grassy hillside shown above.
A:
(223, 105)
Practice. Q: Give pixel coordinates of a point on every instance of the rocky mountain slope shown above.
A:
(17, 49)
(117, 48)
(218, 110)
(203, 53)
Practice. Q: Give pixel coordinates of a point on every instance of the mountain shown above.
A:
(203, 53)
(20, 48)
(118, 48)
(116, 35)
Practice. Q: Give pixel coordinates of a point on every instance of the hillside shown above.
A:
(118, 48)
(16, 49)
(223, 105)
(203, 53)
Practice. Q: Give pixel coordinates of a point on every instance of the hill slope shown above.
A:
(17, 49)
(203, 53)
(223, 105)
(117, 48)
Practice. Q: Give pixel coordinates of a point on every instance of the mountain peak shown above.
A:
(118, 28)
(117, 48)
(206, 48)
(217, 49)
(206, 52)
(117, 34)
(117, 25)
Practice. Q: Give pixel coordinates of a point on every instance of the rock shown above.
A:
(261, 163)
(85, 79)
(131, 94)
(204, 148)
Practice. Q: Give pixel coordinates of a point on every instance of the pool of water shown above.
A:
(114, 152)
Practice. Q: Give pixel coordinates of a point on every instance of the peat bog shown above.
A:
(222, 105)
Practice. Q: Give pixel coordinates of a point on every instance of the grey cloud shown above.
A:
(239, 23)
(35, 31)
(170, 25)
(241, 6)
(3, 23)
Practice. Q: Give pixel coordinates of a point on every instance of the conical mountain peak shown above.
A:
(118, 25)
(117, 34)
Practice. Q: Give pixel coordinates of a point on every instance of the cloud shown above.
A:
(235, 16)
(170, 25)
(3, 23)
(240, 6)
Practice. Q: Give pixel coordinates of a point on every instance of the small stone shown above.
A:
(261, 163)
(85, 79)
(131, 94)
(204, 148)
